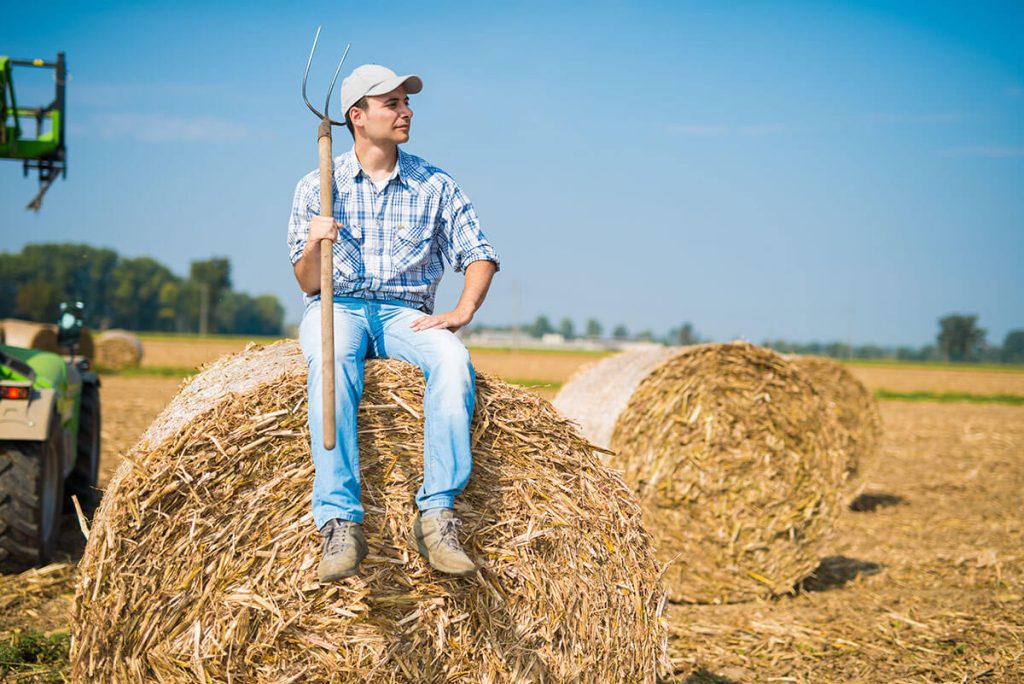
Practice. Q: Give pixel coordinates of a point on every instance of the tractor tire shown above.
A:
(82, 480)
(31, 492)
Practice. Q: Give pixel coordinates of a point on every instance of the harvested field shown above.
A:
(960, 580)
(907, 378)
(187, 352)
(926, 586)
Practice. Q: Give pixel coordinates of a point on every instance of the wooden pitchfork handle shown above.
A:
(323, 143)
(327, 283)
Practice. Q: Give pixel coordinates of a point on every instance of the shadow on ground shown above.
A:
(866, 503)
(835, 571)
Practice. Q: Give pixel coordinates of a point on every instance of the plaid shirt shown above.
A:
(393, 234)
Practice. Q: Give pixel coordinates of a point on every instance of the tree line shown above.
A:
(959, 339)
(136, 293)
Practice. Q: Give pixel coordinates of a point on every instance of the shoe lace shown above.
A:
(337, 539)
(448, 531)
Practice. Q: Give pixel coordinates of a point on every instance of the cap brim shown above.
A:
(413, 84)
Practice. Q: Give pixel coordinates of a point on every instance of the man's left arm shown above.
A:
(478, 280)
(466, 249)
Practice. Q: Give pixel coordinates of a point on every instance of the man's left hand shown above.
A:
(452, 320)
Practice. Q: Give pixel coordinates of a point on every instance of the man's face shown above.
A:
(387, 117)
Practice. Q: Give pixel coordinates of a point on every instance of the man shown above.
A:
(394, 217)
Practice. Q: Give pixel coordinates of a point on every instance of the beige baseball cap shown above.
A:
(374, 79)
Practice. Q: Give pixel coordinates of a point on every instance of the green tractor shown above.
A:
(49, 443)
(44, 151)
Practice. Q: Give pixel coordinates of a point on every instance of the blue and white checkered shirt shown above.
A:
(394, 233)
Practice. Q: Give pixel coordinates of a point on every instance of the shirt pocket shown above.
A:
(348, 251)
(411, 245)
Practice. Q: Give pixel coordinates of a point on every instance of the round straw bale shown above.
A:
(43, 336)
(738, 465)
(116, 349)
(30, 335)
(852, 403)
(201, 563)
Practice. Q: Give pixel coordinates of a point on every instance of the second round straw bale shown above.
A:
(201, 563)
(853, 404)
(738, 464)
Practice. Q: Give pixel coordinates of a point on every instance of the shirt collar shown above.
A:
(352, 168)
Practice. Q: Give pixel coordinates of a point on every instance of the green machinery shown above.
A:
(49, 443)
(43, 151)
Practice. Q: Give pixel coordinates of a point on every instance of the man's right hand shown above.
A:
(323, 228)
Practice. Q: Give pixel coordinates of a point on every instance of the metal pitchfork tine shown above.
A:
(323, 137)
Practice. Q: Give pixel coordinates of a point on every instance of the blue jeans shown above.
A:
(364, 329)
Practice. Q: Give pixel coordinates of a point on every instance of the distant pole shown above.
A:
(517, 301)
(204, 308)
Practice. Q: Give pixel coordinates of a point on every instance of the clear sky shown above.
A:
(805, 170)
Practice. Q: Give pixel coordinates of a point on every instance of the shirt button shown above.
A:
(380, 252)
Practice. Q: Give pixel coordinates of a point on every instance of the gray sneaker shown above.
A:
(437, 538)
(344, 549)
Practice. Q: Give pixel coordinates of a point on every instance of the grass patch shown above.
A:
(1012, 399)
(31, 656)
(149, 371)
(528, 382)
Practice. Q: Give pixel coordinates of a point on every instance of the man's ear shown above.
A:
(355, 115)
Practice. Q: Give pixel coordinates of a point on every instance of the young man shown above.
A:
(394, 217)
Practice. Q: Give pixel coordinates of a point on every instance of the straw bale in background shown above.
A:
(117, 349)
(30, 335)
(738, 464)
(201, 564)
(853, 404)
(43, 336)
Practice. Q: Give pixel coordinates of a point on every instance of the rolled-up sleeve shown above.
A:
(462, 240)
(305, 205)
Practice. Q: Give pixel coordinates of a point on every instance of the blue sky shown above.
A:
(806, 170)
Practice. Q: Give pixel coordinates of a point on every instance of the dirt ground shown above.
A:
(909, 379)
(924, 583)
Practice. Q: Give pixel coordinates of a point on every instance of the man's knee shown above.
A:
(452, 365)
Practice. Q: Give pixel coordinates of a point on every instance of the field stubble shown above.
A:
(926, 584)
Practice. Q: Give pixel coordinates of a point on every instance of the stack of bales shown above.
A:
(201, 564)
(737, 460)
(117, 349)
(852, 404)
(43, 336)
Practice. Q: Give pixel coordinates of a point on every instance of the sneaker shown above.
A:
(436, 537)
(344, 549)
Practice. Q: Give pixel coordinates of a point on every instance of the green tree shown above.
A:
(1013, 347)
(620, 332)
(39, 300)
(960, 338)
(594, 328)
(684, 335)
(540, 327)
(135, 295)
(566, 328)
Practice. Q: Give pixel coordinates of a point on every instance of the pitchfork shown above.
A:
(323, 136)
